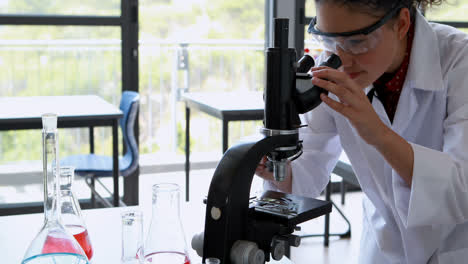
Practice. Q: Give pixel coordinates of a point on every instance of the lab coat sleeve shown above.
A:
(439, 189)
(322, 148)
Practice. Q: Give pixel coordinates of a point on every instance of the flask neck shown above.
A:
(66, 176)
(51, 179)
(166, 203)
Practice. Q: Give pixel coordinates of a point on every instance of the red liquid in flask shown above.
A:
(172, 257)
(81, 235)
(56, 244)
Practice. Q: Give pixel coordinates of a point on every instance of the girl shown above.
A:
(398, 107)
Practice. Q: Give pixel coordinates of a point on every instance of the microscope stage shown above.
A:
(289, 209)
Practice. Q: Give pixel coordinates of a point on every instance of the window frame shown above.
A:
(128, 23)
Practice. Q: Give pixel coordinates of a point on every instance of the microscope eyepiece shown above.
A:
(333, 62)
(307, 95)
(281, 33)
(305, 63)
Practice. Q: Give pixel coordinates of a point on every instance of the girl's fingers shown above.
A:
(342, 93)
(337, 77)
(337, 106)
(318, 68)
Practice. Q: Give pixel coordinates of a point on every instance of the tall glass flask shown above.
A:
(71, 212)
(165, 242)
(53, 244)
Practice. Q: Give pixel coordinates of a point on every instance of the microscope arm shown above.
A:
(228, 197)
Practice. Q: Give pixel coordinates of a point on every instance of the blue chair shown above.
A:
(92, 166)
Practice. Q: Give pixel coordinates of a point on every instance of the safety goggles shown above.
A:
(355, 42)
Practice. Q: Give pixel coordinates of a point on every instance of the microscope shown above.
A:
(241, 230)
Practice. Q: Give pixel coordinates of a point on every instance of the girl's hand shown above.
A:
(262, 170)
(353, 103)
(355, 106)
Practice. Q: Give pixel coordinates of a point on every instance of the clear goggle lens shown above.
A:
(355, 44)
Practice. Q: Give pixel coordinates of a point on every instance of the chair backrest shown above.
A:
(345, 171)
(129, 106)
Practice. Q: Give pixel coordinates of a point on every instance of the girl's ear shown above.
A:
(402, 24)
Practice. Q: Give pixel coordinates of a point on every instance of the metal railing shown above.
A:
(67, 67)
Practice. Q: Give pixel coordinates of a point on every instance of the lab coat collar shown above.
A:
(424, 72)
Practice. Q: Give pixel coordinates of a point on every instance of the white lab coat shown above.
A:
(427, 223)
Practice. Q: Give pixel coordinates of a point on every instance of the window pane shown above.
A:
(49, 60)
(310, 46)
(310, 8)
(187, 20)
(454, 10)
(225, 47)
(63, 7)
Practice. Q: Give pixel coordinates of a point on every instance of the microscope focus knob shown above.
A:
(278, 249)
(197, 243)
(215, 213)
(294, 240)
(246, 252)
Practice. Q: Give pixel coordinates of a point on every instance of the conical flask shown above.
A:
(53, 244)
(71, 211)
(165, 242)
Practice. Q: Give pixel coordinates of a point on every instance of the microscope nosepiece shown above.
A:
(280, 169)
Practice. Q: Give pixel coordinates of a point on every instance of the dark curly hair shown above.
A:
(371, 6)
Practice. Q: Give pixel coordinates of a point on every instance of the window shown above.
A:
(452, 10)
(225, 47)
(50, 47)
(53, 7)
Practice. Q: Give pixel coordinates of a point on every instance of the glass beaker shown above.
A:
(165, 242)
(132, 237)
(53, 244)
(71, 211)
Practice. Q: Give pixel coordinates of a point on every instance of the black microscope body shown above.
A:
(237, 228)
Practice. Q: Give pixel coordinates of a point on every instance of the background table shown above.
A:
(104, 228)
(227, 106)
(73, 111)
